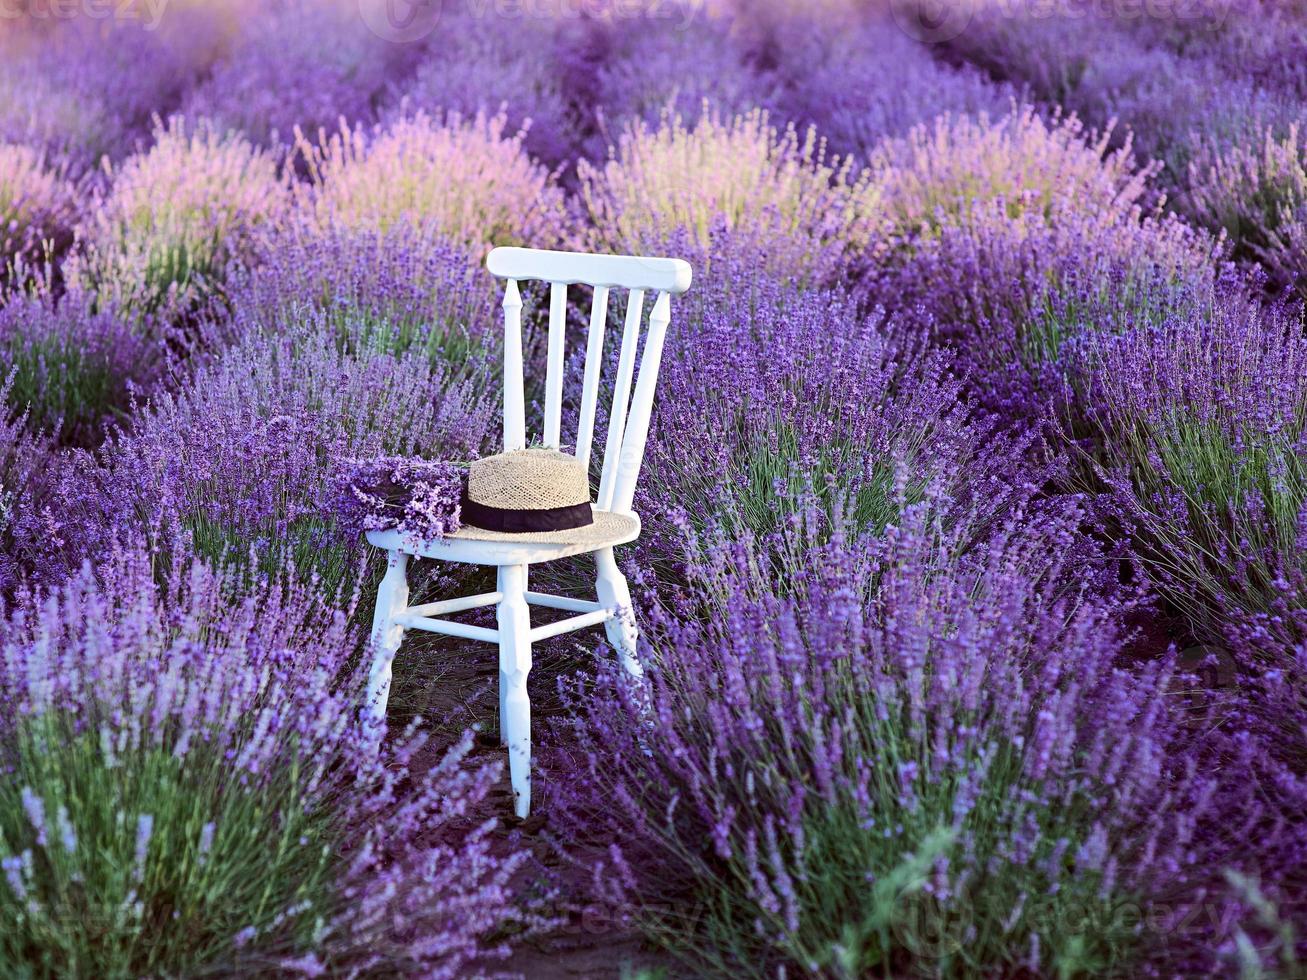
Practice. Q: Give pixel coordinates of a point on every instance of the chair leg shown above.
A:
(615, 595)
(514, 666)
(503, 707)
(392, 599)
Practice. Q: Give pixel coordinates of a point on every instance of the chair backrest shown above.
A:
(628, 417)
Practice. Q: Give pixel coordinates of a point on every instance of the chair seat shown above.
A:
(476, 546)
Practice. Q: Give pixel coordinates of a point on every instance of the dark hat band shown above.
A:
(514, 520)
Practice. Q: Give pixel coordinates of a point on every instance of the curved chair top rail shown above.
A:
(631, 407)
(615, 271)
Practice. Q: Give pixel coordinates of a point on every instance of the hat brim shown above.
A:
(609, 528)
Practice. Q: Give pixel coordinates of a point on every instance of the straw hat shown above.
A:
(535, 495)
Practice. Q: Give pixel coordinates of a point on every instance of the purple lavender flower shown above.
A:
(144, 831)
(174, 218)
(72, 368)
(418, 497)
(863, 85)
(305, 65)
(1201, 422)
(929, 662)
(86, 88)
(773, 185)
(206, 840)
(245, 458)
(242, 711)
(13, 867)
(34, 807)
(467, 181)
(38, 209)
(67, 833)
(481, 65)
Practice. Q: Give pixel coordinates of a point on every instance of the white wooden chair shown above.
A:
(622, 456)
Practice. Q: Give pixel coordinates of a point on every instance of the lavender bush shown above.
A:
(817, 397)
(1169, 106)
(390, 292)
(941, 174)
(671, 61)
(465, 180)
(915, 764)
(1010, 292)
(991, 248)
(1199, 427)
(1081, 64)
(296, 65)
(478, 65)
(862, 86)
(247, 458)
(759, 181)
(175, 217)
(189, 788)
(1270, 44)
(1259, 197)
(26, 484)
(84, 89)
(73, 368)
(1202, 427)
(38, 209)
(1191, 89)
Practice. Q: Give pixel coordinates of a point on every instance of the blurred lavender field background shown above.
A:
(973, 579)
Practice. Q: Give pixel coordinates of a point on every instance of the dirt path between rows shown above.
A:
(452, 684)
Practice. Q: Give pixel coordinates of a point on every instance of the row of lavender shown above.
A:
(964, 435)
(1215, 100)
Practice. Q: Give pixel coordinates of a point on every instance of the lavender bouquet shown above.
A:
(419, 497)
